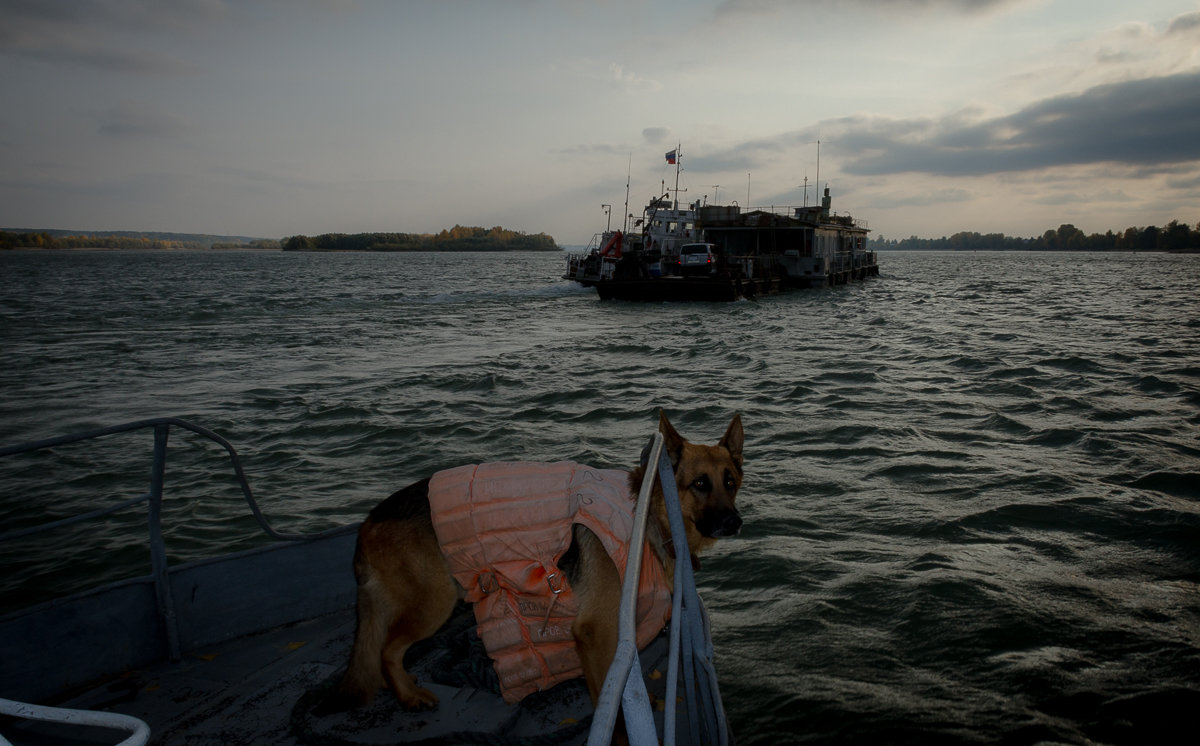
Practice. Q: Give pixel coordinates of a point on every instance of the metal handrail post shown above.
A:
(673, 664)
(623, 670)
(635, 701)
(696, 640)
(681, 630)
(158, 553)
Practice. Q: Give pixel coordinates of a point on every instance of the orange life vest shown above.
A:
(503, 528)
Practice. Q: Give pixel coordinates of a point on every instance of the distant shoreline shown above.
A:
(124, 248)
(458, 238)
(275, 249)
(893, 250)
(1175, 237)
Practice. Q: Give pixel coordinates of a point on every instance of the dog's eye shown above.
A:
(729, 483)
(702, 484)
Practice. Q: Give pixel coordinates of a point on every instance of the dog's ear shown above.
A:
(733, 439)
(672, 440)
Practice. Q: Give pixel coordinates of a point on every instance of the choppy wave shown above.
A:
(971, 501)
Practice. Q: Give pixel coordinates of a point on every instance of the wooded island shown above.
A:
(458, 238)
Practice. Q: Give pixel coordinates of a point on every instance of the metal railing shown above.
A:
(690, 639)
(790, 211)
(138, 730)
(154, 497)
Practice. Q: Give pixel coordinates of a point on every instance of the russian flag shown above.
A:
(671, 157)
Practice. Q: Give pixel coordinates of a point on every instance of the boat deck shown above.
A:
(261, 689)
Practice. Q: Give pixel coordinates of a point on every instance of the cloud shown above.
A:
(129, 119)
(922, 198)
(655, 135)
(961, 6)
(1145, 122)
(94, 34)
(1190, 181)
(83, 54)
(593, 149)
(747, 155)
(121, 35)
(1188, 23)
(142, 15)
(631, 81)
(138, 187)
(965, 7)
(1081, 195)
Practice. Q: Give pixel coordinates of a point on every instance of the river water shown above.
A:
(972, 494)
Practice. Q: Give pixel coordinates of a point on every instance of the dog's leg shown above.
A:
(597, 587)
(425, 608)
(405, 593)
(412, 594)
(364, 675)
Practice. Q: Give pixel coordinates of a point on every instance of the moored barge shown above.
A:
(722, 253)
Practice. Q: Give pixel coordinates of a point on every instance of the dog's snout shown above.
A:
(731, 523)
(718, 524)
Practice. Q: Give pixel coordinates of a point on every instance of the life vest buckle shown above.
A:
(488, 583)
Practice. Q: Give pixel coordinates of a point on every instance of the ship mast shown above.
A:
(628, 170)
(678, 158)
(676, 190)
(818, 167)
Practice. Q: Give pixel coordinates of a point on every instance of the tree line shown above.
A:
(1175, 236)
(458, 238)
(47, 240)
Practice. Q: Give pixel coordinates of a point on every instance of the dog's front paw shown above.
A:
(420, 700)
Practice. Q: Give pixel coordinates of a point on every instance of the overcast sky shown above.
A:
(279, 117)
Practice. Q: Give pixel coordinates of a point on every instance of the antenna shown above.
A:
(628, 169)
(819, 163)
(678, 160)
(714, 187)
(818, 179)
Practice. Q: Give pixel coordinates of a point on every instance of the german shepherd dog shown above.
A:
(406, 591)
